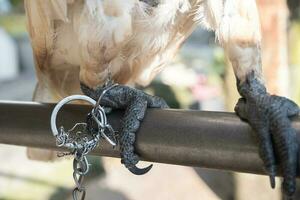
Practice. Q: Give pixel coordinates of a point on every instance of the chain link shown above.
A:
(80, 141)
(80, 169)
(81, 144)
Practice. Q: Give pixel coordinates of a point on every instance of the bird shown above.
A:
(79, 45)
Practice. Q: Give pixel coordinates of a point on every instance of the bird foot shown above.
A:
(134, 102)
(269, 116)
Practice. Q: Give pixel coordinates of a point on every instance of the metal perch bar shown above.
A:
(214, 140)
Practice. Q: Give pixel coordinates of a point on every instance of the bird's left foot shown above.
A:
(269, 115)
(135, 102)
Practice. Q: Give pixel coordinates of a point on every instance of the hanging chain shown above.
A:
(82, 146)
(80, 141)
(81, 168)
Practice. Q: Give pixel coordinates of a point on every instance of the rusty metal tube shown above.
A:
(193, 138)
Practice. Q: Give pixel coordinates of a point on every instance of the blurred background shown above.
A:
(200, 77)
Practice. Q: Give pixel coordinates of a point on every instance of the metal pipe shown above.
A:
(193, 138)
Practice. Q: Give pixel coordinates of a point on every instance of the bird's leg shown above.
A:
(135, 102)
(237, 27)
(269, 116)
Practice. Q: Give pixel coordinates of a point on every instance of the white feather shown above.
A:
(133, 38)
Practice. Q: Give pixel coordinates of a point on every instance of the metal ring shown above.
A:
(61, 104)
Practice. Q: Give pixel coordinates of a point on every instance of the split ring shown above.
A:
(61, 104)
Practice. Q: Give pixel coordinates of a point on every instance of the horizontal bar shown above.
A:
(214, 140)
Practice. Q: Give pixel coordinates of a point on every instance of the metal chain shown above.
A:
(81, 146)
(80, 141)
(80, 162)
(81, 168)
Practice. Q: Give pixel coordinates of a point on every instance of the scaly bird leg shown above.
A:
(135, 102)
(237, 27)
(269, 116)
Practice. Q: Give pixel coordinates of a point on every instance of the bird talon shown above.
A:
(268, 115)
(135, 103)
(139, 171)
(272, 181)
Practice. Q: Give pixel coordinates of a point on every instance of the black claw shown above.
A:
(272, 181)
(140, 171)
(135, 103)
(268, 115)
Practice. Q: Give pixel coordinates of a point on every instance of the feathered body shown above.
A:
(76, 40)
(84, 40)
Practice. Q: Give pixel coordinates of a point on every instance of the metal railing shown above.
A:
(192, 138)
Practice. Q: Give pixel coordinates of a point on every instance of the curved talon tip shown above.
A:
(138, 171)
(272, 181)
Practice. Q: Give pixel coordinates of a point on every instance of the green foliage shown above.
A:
(16, 2)
(14, 24)
(294, 6)
(17, 6)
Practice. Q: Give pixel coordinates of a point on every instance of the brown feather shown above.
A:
(134, 42)
(80, 40)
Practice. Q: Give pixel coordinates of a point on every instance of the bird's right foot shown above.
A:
(269, 116)
(135, 102)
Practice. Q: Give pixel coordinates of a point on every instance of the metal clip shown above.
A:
(103, 125)
(79, 141)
